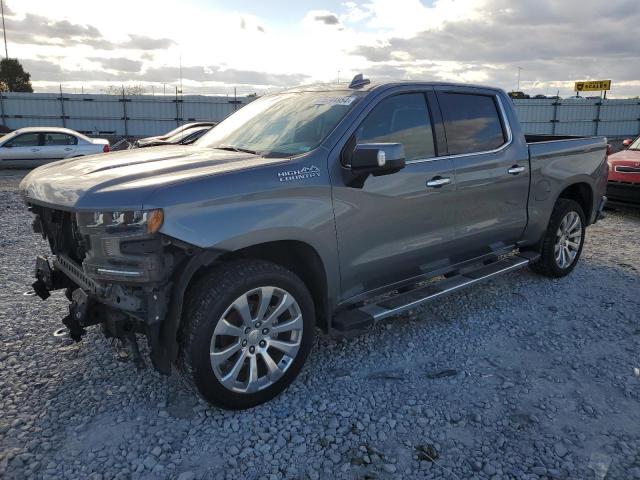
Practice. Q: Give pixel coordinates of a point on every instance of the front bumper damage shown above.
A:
(126, 284)
(122, 311)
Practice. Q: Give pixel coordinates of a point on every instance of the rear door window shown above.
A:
(401, 119)
(24, 140)
(472, 123)
(56, 139)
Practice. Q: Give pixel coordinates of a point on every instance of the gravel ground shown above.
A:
(522, 377)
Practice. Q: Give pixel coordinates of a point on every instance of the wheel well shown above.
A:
(303, 260)
(581, 193)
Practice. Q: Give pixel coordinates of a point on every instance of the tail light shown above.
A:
(105, 149)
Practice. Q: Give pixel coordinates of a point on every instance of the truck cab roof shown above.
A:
(371, 86)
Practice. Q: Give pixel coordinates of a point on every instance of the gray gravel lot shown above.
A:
(522, 377)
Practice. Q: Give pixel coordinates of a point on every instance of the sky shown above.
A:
(265, 46)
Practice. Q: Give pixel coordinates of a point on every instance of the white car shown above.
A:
(34, 146)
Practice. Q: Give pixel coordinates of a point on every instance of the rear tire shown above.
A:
(247, 329)
(563, 241)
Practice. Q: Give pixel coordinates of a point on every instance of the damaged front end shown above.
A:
(118, 272)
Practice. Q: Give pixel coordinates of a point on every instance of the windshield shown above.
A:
(282, 125)
(635, 145)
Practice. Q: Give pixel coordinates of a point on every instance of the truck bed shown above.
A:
(557, 160)
(538, 138)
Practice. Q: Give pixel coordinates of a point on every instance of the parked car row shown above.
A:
(34, 146)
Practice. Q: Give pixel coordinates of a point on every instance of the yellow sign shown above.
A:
(593, 85)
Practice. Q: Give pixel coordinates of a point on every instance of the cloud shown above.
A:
(552, 41)
(7, 10)
(327, 19)
(230, 76)
(127, 71)
(318, 19)
(39, 30)
(36, 29)
(44, 70)
(479, 41)
(120, 64)
(141, 42)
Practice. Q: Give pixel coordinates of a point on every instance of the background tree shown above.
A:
(13, 78)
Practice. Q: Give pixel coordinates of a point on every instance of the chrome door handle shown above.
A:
(35, 149)
(515, 170)
(438, 182)
(68, 149)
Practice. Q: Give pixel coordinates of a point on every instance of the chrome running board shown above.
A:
(361, 317)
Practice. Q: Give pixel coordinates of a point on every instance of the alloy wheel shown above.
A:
(256, 339)
(568, 240)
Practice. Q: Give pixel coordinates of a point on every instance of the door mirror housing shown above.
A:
(627, 142)
(377, 158)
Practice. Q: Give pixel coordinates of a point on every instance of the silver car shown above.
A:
(34, 146)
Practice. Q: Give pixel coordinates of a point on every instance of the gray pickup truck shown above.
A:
(322, 206)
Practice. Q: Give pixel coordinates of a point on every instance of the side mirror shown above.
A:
(627, 142)
(377, 158)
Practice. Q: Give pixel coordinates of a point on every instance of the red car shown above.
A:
(623, 185)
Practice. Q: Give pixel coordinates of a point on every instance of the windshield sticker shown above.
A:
(301, 174)
(336, 100)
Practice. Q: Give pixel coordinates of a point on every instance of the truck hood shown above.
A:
(124, 179)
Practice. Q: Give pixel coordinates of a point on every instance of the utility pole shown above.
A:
(4, 31)
(519, 70)
(181, 73)
(338, 77)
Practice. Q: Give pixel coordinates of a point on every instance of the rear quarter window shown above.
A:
(472, 122)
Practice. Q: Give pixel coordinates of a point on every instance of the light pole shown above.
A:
(4, 31)
(519, 70)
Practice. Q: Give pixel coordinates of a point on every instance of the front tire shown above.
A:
(247, 329)
(563, 241)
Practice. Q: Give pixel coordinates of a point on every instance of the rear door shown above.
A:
(394, 227)
(21, 151)
(492, 173)
(57, 145)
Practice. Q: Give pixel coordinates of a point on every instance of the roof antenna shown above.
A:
(359, 81)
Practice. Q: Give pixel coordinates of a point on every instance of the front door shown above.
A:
(492, 171)
(395, 227)
(21, 151)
